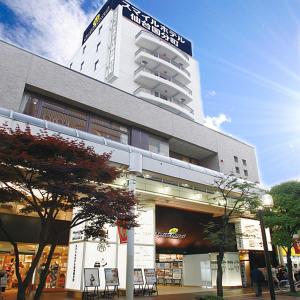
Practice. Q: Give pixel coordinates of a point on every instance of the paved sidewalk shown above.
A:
(232, 294)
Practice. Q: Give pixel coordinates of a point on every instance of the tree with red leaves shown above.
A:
(48, 174)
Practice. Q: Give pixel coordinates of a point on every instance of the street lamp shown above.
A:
(267, 202)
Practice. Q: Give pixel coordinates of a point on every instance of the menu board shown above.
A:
(91, 277)
(150, 276)
(111, 276)
(138, 278)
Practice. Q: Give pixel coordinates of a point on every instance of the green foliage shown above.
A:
(284, 218)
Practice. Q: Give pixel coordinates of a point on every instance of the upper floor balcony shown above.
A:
(161, 63)
(169, 103)
(151, 42)
(171, 87)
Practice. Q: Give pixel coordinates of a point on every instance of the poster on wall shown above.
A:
(150, 276)
(138, 278)
(91, 277)
(111, 276)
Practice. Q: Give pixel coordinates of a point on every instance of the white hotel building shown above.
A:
(133, 88)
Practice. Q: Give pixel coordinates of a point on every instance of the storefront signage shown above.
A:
(150, 276)
(138, 277)
(150, 24)
(122, 235)
(142, 19)
(111, 276)
(171, 234)
(249, 235)
(91, 277)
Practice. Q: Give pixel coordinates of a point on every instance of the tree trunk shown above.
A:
(290, 270)
(220, 273)
(44, 273)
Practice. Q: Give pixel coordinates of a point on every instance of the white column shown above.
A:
(135, 167)
(130, 248)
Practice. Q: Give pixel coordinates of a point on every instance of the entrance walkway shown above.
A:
(188, 293)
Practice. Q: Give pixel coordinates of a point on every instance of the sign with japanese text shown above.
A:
(143, 20)
(150, 24)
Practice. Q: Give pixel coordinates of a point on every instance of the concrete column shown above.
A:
(135, 167)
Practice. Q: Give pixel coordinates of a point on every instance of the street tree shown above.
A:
(234, 196)
(47, 175)
(284, 219)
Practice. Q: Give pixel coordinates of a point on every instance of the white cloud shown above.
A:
(52, 29)
(216, 122)
(212, 93)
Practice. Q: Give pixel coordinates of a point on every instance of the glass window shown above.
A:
(246, 172)
(72, 117)
(158, 145)
(237, 170)
(81, 66)
(244, 162)
(83, 49)
(100, 29)
(98, 45)
(96, 63)
(236, 159)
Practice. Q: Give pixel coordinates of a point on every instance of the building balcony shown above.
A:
(151, 42)
(169, 103)
(164, 83)
(161, 63)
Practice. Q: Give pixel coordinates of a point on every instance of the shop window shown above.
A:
(237, 170)
(244, 162)
(236, 159)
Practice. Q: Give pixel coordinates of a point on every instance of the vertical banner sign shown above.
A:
(297, 247)
(122, 234)
(150, 24)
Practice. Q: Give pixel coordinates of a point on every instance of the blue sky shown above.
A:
(249, 55)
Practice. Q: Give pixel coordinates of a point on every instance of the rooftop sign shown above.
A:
(143, 20)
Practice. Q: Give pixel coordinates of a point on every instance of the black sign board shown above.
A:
(150, 24)
(144, 21)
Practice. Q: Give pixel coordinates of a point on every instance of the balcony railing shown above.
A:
(171, 61)
(164, 76)
(166, 98)
(159, 39)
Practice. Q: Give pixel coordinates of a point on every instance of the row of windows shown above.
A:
(237, 170)
(76, 118)
(236, 159)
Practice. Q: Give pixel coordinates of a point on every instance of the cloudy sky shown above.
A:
(248, 51)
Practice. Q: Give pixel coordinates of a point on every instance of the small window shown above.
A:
(237, 170)
(98, 45)
(246, 172)
(236, 159)
(81, 66)
(96, 63)
(244, 162)
(71, 64)
(100, 29)
(83, 49)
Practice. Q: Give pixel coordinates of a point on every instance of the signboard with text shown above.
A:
(143, 20)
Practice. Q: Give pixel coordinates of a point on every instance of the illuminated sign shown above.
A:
(143, 20)
(172, 234)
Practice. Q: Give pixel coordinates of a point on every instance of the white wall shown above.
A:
(196, 270)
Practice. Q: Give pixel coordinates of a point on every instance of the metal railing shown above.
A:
(160, 39)
(166, 98)
(171, 61)
(164, 76)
